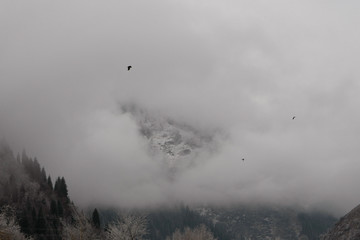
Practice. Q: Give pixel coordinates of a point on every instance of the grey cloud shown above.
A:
(242, 67)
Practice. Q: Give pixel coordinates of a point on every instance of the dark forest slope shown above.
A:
(39, 204)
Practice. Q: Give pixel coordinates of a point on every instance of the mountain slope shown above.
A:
(177, 144)
(348, 227)
(180, 145)
(268, 222)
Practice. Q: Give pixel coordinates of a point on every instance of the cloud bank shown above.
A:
(244, 67)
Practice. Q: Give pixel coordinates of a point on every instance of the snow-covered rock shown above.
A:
(178, 144)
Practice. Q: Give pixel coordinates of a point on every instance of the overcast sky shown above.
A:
(245, 67)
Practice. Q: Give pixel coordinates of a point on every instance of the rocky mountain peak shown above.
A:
(177, 143)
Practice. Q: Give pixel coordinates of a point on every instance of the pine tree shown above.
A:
(53, 207)
(56, 186)
(40, 223)
(43, 175)
(96, 219)
(36, 171)
(49, 182)
(12, 180)
(24, 157)
(24, 222)
(60, 208)
(63, 188)
(33, 215)
(28, 204)
(6, 190)
(14, 194)
(22, 191)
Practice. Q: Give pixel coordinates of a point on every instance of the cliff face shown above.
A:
(348, 227)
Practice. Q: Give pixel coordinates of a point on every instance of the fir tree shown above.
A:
(96, 219)
(33, 214)
(60, 208)
(28, 204)
(53, 207)
(22, 191)
(40, 222)
(49, 182)
(43, 175)
(36, 171)
(24, 222)
(56, 186)
(24, 157)
(6, 190)
(63, 188)
(14, 194)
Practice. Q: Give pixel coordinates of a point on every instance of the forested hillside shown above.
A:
(39, 204)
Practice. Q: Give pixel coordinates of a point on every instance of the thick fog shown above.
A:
(242, 67)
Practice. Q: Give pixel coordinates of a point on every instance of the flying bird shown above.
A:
(243, 159)
(293, 117)
(129, 67)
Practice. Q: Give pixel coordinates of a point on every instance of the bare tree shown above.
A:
(199, 233)
(79, 228)
(129, 227)
(9, 227)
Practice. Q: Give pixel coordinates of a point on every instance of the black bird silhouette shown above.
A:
(243, 159)
(293, 118)
(129, 67)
